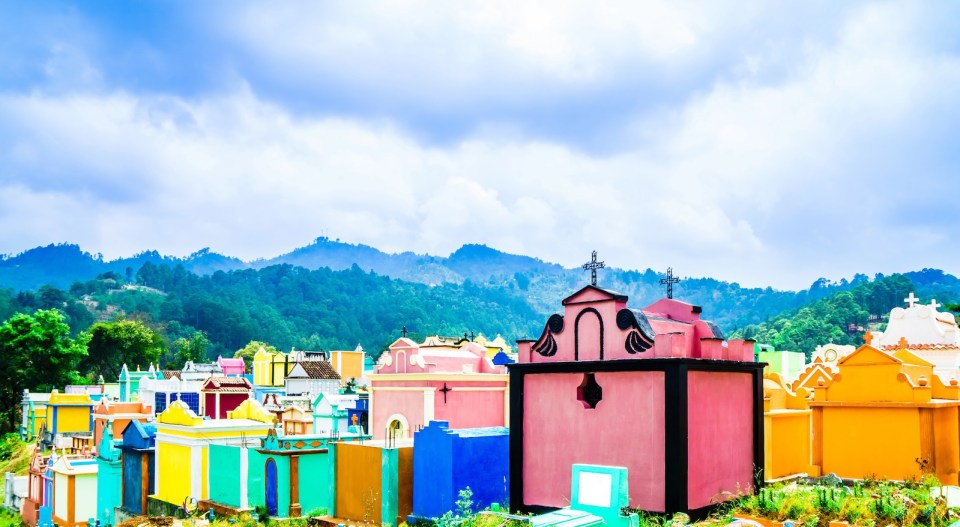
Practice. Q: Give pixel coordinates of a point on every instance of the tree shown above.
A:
(112, 344)
(192, 349)
(247, 352)
(37, 354)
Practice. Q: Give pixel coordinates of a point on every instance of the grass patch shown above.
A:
(867, 503)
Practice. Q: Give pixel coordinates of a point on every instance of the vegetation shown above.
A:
(867, 503)
(38, 354)
(840, 318)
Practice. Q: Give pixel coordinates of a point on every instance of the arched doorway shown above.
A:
(397, 426)
(270, 486)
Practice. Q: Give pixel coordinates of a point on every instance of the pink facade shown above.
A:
(553, 443)
(232, 366)
(658, 391)
(416, 384)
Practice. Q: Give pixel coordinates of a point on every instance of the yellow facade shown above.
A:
(787, 428)
(270, 369)
(252, 410)
(886, 415)
(174, 472)
(69, 413)
(349, 364)
(182, 448)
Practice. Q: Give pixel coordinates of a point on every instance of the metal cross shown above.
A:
(445, 389)
(403, 331)
(669, 281)
(592, 266)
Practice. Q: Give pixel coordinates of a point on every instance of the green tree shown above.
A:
(191, 349)
(37, 354)
(111, 344)
(247, 352)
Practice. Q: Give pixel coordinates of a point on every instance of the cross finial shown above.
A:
(592, 266)
(868, 337)
(934, 304)
(911, 300)
(403, 331)
(903, 343)
(669, 281)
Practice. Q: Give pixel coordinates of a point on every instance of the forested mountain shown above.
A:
(337, 295)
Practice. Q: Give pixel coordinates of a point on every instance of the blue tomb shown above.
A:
(447, 461)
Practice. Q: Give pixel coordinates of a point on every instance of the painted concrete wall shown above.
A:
(138, 479)
(720, 435)
(61, 496)
(86, 497)
(174, 472)
(409, 404)
(225, 477)
(447, 461)
(486, 407)
(359, 482)
(598, 436)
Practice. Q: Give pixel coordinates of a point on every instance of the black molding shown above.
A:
(675, 430)
(655, 364)
(576, 332)
(676, 419)
(758, 438)
(516, 439)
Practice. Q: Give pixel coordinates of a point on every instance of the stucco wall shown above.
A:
(720, 432)
(625, 429)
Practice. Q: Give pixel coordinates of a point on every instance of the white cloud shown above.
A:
(807, 154)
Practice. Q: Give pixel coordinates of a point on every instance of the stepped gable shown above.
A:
(667, 328)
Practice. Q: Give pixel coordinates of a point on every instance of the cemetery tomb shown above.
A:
(787, 426)
(374, 481)
(119, 414)
(139, 465)
(182, 453)
(221, 394)
(903, 416)
(74, 490)
(442, 379)
(447, 461)
(656, 390)
(109, 478)
(68, 415)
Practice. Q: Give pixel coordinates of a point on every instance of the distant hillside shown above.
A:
(537, 284)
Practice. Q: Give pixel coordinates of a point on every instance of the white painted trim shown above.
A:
(243, 477)
(429, 406)
(196, 466)
(403, 388)
(404, 424)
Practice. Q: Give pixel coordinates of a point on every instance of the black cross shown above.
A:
(403, 331)
(445, 389)
(472, 336)
(669, 281)
(592, 266)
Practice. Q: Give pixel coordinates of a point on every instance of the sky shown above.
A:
(766, 143)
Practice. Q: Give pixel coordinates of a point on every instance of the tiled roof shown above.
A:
(319, 369)
(937, 347)
(227, 384)
(170, 374)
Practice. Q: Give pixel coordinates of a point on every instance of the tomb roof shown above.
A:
(313, 369)
(227, 384)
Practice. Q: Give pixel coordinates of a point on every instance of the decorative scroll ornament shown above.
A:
(547, 345)
(641, 337)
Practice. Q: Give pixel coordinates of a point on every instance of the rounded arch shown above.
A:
(398, 425)
(576, 332)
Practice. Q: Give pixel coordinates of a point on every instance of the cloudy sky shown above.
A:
(768, 143)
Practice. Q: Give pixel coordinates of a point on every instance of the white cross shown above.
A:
(934, 304)
(911, 300)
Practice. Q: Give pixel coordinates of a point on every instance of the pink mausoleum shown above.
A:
(657, 390)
